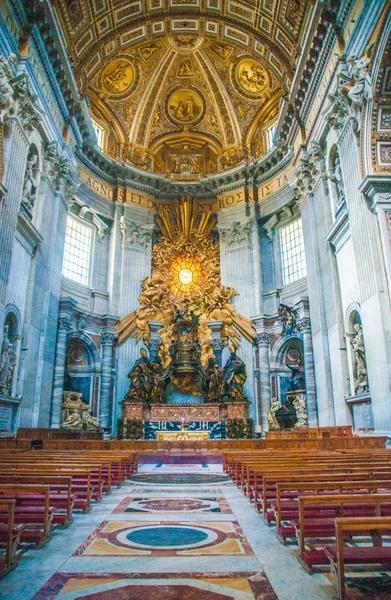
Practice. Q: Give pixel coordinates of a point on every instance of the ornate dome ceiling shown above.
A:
(184, 88)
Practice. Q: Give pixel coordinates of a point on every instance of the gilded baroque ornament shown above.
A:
(185, 284)
(252, 76)
(185, 106)
(118, 76)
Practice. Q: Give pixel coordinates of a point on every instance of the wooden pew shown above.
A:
(81, 481)
(340, 555)
(266, 501)
(60, 493)
(287, 510)
(323, 526)
(32, 507)
(9, 536)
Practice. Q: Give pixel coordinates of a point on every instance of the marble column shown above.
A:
(64, 325)
(262, 342)
(16, 145)
(304, 327)
(107, 340)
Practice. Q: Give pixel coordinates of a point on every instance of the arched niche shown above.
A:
(356, 350)
(82, 369)
(31, 180)
(10, 351)
(287, 351)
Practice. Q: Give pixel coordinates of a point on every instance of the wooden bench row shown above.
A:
(315, 498)
(40, 490)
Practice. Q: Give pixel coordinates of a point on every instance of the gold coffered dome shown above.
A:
(183, 88)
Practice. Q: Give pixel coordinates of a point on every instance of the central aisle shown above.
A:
(178, 532)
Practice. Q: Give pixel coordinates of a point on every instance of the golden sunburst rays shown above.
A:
(188, 221)
(186, 273)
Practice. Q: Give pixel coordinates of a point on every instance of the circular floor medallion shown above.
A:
(167, 537)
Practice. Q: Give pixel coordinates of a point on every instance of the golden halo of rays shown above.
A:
(180, 266)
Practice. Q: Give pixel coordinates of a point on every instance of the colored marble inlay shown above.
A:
(179, 478)
(173, 505)
(149, 586)
(161, 538)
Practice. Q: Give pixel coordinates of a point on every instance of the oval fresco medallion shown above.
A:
(118, 76)
(252, 76)
(185, 106)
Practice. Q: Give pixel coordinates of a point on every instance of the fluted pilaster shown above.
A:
(17, 144)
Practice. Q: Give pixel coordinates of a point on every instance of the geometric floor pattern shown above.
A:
(165, 538)
(183, 537)
(164, 505)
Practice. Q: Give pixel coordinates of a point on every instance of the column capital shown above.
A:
(108, 338)
(262, 339)
(64, 324)
(304, 325)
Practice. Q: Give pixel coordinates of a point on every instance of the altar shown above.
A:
(185, 313)
(182, 435)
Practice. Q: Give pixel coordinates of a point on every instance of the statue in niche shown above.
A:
(271, 415)
(8, 359)
(213, 382)
(31, 179)
(235, 376)
(357, 342)
(141, 378)
(289, 319)
(336, 178)
(300, 405)
(298, 378)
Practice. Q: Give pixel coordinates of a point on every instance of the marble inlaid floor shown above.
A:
(180, 541)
